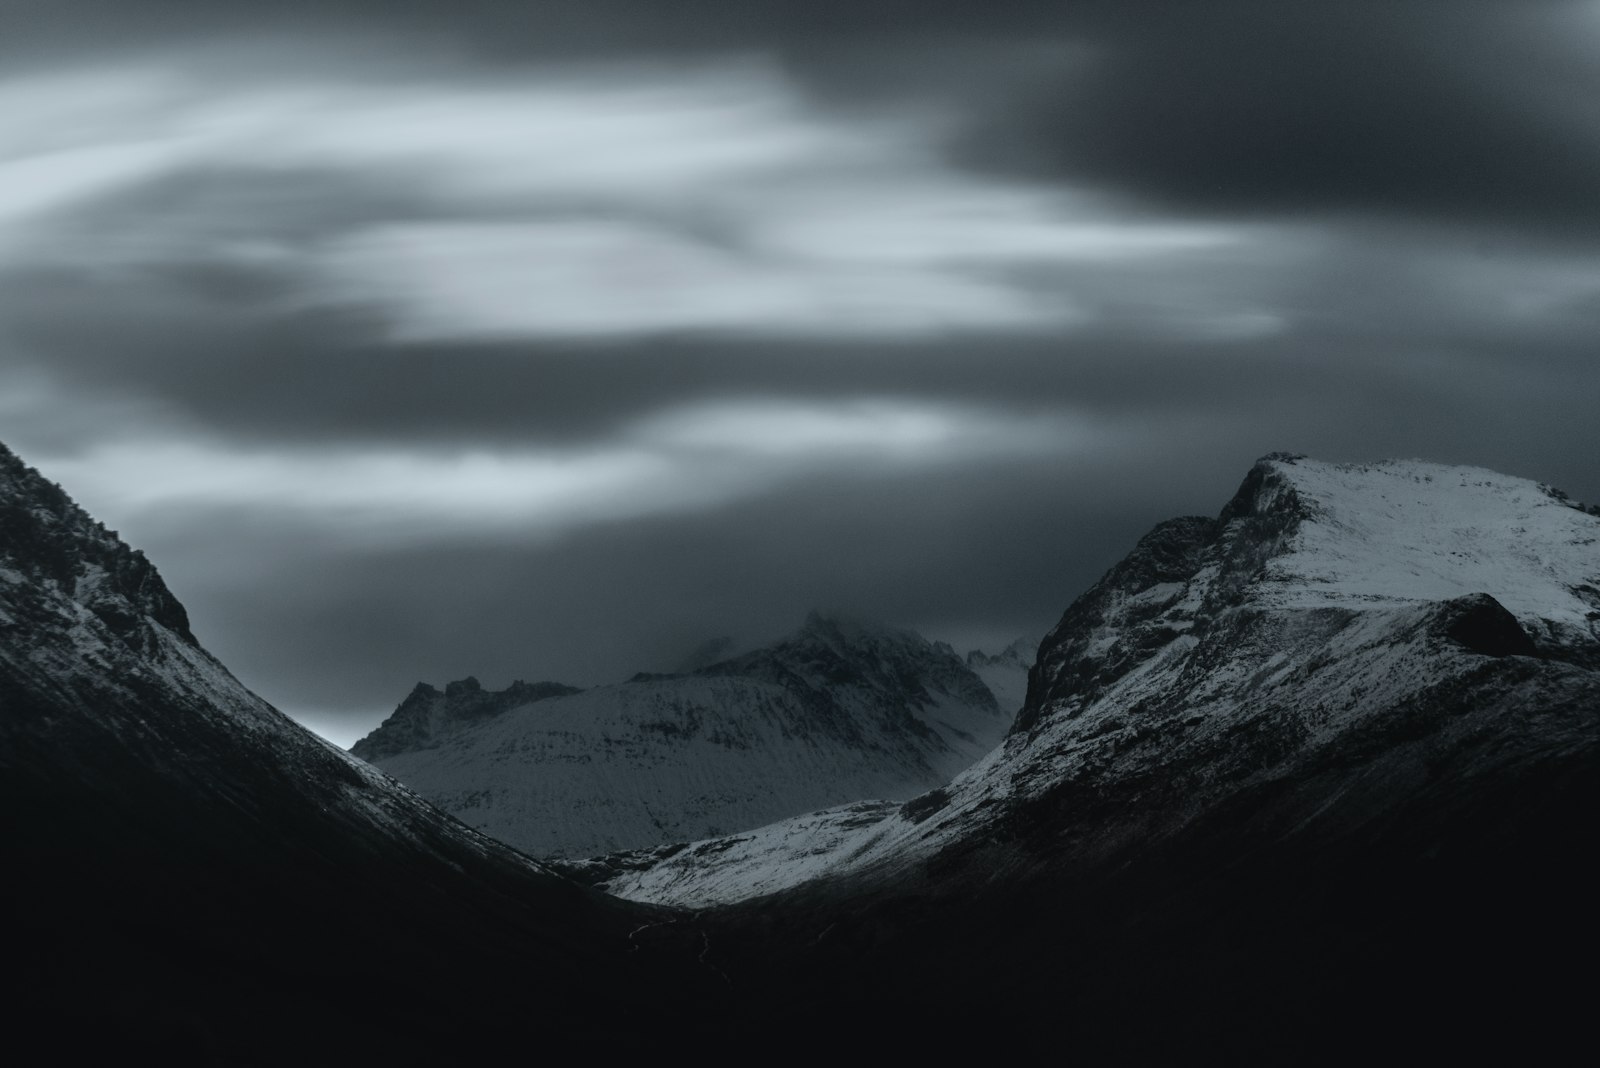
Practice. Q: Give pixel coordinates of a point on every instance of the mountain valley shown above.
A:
(1308, 779)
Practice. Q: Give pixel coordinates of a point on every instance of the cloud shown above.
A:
(682, 460)
(639, 132)
(865, 430)
(609, 202)
(389, 493)
(1224, 329)
(549, 338)
(492, 31)
(1402, 109)
(607, 278)
(1471, 112)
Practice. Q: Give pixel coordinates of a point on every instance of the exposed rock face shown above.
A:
(48, 542)
(839, 709)
(1076, 658)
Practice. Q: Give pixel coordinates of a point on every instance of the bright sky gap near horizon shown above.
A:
(549, 340)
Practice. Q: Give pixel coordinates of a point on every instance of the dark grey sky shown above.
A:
(548, 339)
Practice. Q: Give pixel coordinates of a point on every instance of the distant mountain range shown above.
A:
(839, 710)
(1311, 780)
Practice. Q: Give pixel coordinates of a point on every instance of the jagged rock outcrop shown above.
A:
(49, 544)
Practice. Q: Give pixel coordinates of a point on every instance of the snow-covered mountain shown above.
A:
(1335, 637)
(192, 875)
(840, 709)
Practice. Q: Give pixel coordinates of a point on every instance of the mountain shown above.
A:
(1310, 781)
(838, 710)
(191, 875)
(1308, 778)
(1330, 616)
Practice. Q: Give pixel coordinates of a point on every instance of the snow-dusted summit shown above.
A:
(840, 709)
(1341, 638)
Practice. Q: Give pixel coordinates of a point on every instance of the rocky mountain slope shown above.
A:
(194, 876)
(1335, 635)
(840, 709)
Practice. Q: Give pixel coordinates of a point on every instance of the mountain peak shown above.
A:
(818, 626)
(847, 626)
(1306, 535)
(1413, 531)
(834, 648)
(463, 687)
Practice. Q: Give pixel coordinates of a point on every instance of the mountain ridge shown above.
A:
(429, 714)
(838, 708)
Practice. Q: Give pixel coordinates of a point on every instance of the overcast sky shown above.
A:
(546, 340)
